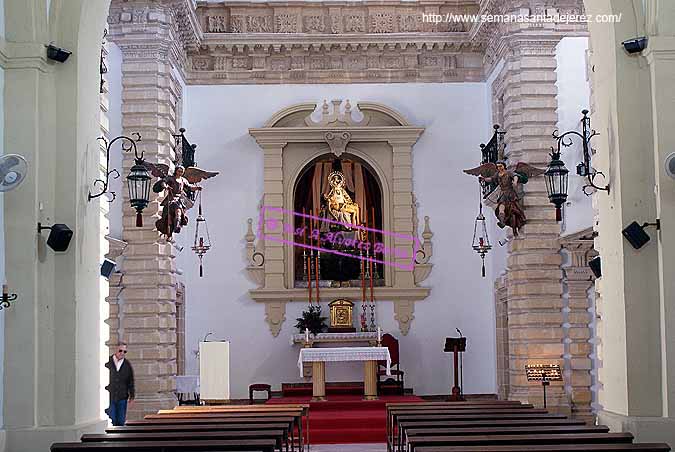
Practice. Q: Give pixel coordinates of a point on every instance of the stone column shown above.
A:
(578, 280)
(533, 280)
(52, 117)
(146, 36)
(502, 338)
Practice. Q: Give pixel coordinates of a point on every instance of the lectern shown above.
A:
(214, 371)
(455, 345)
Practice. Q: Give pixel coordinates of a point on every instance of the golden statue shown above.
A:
(340, 204)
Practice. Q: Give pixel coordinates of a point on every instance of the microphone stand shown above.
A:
(461, 370)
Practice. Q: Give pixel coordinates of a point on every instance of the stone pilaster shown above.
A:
(149, 39)
(578, 281)
(533, 280)
(502, 337)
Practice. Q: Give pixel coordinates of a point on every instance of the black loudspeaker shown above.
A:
(59, 236)
(107, 268)
(594, 264)
(636, 235)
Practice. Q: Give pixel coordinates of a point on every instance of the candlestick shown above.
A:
(307, 335)
(5, 289)
(379, 334)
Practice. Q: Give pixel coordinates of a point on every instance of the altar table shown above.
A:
(319, 356)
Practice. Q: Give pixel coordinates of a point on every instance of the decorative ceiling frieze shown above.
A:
(332, 41)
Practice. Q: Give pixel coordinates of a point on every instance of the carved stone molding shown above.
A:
(383, 139)
(275, 315)
(337, 141)
(403, 313)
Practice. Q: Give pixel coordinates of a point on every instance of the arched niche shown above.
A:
(365, 189)
(379, 137)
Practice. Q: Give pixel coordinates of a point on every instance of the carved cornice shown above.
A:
(580, 248)
(372, 41)
(162, 29)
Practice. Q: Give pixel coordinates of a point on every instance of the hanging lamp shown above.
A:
(202, 239)
(481, 242)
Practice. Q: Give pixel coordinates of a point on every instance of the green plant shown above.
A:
(311, 319)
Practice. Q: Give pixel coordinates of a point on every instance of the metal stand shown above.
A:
(545, 383)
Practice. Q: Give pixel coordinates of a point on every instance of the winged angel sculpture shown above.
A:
(180, 188)
(509, 192)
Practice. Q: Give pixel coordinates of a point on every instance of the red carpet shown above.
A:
(346, 419)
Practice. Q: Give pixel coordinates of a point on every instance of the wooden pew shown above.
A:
(286, 428)
(414, 443)
(451, 429)
(252, 445)
(434, 423)
(296, 413)
(621, 447)
(276, 435)
(448, 413)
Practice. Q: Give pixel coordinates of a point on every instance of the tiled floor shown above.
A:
(350, 448)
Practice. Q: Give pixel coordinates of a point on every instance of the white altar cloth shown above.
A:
(187, 384)
(344, 354)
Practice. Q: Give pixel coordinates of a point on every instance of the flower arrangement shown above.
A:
(312, 320)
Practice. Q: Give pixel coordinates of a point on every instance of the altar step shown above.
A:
(346, 419)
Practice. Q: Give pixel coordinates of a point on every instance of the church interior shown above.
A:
(337, 225)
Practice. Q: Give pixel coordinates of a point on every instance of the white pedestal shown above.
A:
(214, 371)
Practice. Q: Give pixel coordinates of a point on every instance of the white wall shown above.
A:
(114, 83)
(217, 119)
(2, 239)
(573, 96)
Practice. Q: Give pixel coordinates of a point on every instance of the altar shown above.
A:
(319, 356)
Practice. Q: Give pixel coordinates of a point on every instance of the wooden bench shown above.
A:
(251, 445)
(434, 423)
(621, 447)
(448, 413)
(276, 435)
(467, 431)
(286, 428)
(242, 412)
(484, 440)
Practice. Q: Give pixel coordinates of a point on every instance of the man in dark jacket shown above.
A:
(121, 387)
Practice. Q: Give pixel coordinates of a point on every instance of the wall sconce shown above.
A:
(7, 298)
(57, 53)
(59, 236)
(636, 235)
(557, 175)
(138, 180)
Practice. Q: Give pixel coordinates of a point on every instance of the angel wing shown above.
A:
(195, 175)
(528, 170)
(485, 170)
(158, 169)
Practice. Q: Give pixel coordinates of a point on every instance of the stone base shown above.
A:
(645, 429)
(41, 438)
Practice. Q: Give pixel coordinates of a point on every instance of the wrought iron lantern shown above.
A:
(481, 241)
(202, 239)
(556, 176)
(138, 182)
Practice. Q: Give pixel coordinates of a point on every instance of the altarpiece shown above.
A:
(365, 153)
